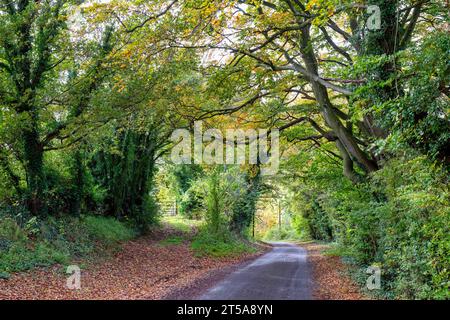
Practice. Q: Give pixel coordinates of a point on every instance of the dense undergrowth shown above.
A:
(398, 220)
(39, 243)
(285, 233)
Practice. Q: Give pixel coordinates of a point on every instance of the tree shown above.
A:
(284, 40)
(34, 56)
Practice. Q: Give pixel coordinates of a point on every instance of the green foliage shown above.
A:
(300, 225)
(215, 202)
(222, 244)
(191, 203)
(177, 183)
(60, 191)
(22, 248)
(399, 220)
(415, 243)
(339, 250)
(415, 111)
(107, 229)
(122, 171)
(319, 223)
(185, 175)
(40, 243)
(175, 240)
(285, 233)
(21, 258)
(244, 209)
(181, 223)
(230, 196)
(10, 230)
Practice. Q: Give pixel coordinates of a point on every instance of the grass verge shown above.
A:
(174, 240)
(203, 241)
(221, 244)
(41, 243)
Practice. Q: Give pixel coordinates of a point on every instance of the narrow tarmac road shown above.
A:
(281, 274)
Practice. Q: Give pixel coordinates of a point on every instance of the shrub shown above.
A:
(285, 233)
(20, 257)
(191, 204)
(414, 246)
(398, 219)
(10, 230)
(221, 244)
(175, 240)
(46, 242)
(107, 229)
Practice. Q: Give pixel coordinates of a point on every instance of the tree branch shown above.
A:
(335, 46)
(412, 24)
(143, 23)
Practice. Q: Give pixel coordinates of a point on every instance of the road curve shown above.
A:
(281, 274)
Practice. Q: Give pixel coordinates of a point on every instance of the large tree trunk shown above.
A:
(343, 134)
(78, 182)
(348, 169)
(34, 157)
(142, 179)
(129, 176)
(320, 92)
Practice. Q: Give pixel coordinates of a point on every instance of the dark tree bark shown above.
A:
(34, 167)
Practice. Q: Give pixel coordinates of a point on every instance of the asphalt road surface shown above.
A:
(281, 274)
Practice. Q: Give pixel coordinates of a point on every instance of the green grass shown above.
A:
(336, 250)
(50, 241)
(175, 240)
(20, 257)
(219, 245)
(181, 224)
(285, 234)
(107, 229)
(205, 243)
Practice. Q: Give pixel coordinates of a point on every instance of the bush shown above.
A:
(400, 220)
(107, 229)
(10, 230)
(191, 204)
(19, 257)
(285, 233)
(19, 252)
(414, 247)
(46, 242)
(175, 240)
